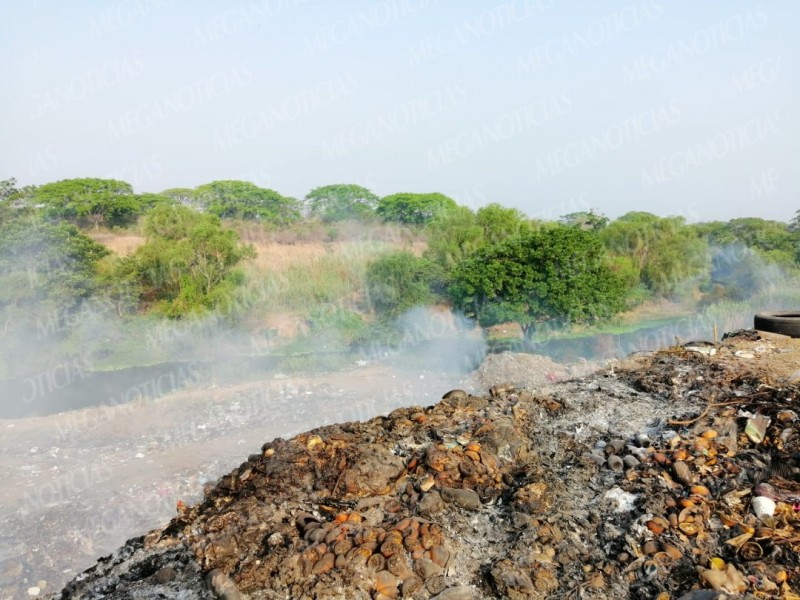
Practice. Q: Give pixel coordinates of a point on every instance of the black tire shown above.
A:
(785, 323)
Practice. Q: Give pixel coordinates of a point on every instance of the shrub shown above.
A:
(399, 281)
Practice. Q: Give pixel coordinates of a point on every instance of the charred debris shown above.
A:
(672, 474)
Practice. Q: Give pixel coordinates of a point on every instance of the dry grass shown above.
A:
(295, 278)
(308, 232)
(292, 277)
(121, 244)
(300, 277)
(657, 309)
(273, 257)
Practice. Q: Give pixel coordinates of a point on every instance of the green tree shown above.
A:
(737, 273)
(771, 240)
(413, 209)
(96, 201)
(500, 223)
(47, 272)
(13, 198)
(666, 252)
(341, 202)
(794, 224)
(399, 281)
(119, 285)
(147, 201)
(585, 220)
(553, 275)
(452, 236)
(188, 261)
(43, 261)
(455, 234)
(244, 200)
(8, 190)
(184, 196)
(741, 252)
(8, 187)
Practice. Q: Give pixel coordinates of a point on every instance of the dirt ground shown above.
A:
(77, 485)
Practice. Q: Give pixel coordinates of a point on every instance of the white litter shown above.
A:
(762, 507)
(624, 499)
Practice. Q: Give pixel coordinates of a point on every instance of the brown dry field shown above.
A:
(121, 244)
(272, 255)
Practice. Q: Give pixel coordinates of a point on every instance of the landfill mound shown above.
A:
(670, 474)
(525, 371)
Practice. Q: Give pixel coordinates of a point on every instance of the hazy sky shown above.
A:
(677, 107)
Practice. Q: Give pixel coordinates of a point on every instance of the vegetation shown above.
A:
(245, 200)
(667, 253)
(341, 326)
(47, 272)
(584, 220)
(188, 261)
(97, 201)
(399, 281)
(494, 264)
(309, 283)
(43, 263)
(341, 202)
(452, 237)
(499, 223)
(413, 209)
(554, 275)
(772, 241)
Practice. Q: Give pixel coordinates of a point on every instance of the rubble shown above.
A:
(673, 474)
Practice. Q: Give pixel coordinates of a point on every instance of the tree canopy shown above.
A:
(588, 220)
(665, 251)
(233, 199)
(340, 202)
(42, 261)
(499, 222)
(187, 263)
(771, 240)
(97, 201)
(494, 262)
(47, 271)
(452, 236)
(553, 275)
(413, 209)
(399, 281)
(8, 187)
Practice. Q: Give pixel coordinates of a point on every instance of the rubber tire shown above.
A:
(785, 323)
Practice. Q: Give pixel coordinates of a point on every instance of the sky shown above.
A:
(675, 108)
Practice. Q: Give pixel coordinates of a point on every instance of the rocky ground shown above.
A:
(667, 475)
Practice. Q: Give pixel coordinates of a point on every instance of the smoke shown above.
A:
(433, 339)
(180, 402)
(58, 357)
(90, 356)
(742, 273)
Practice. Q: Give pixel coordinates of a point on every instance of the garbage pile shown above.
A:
(673, 474)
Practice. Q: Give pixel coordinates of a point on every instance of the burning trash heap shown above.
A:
(671, 474)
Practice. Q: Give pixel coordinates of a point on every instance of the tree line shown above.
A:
(498, 266)
(494, 264)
